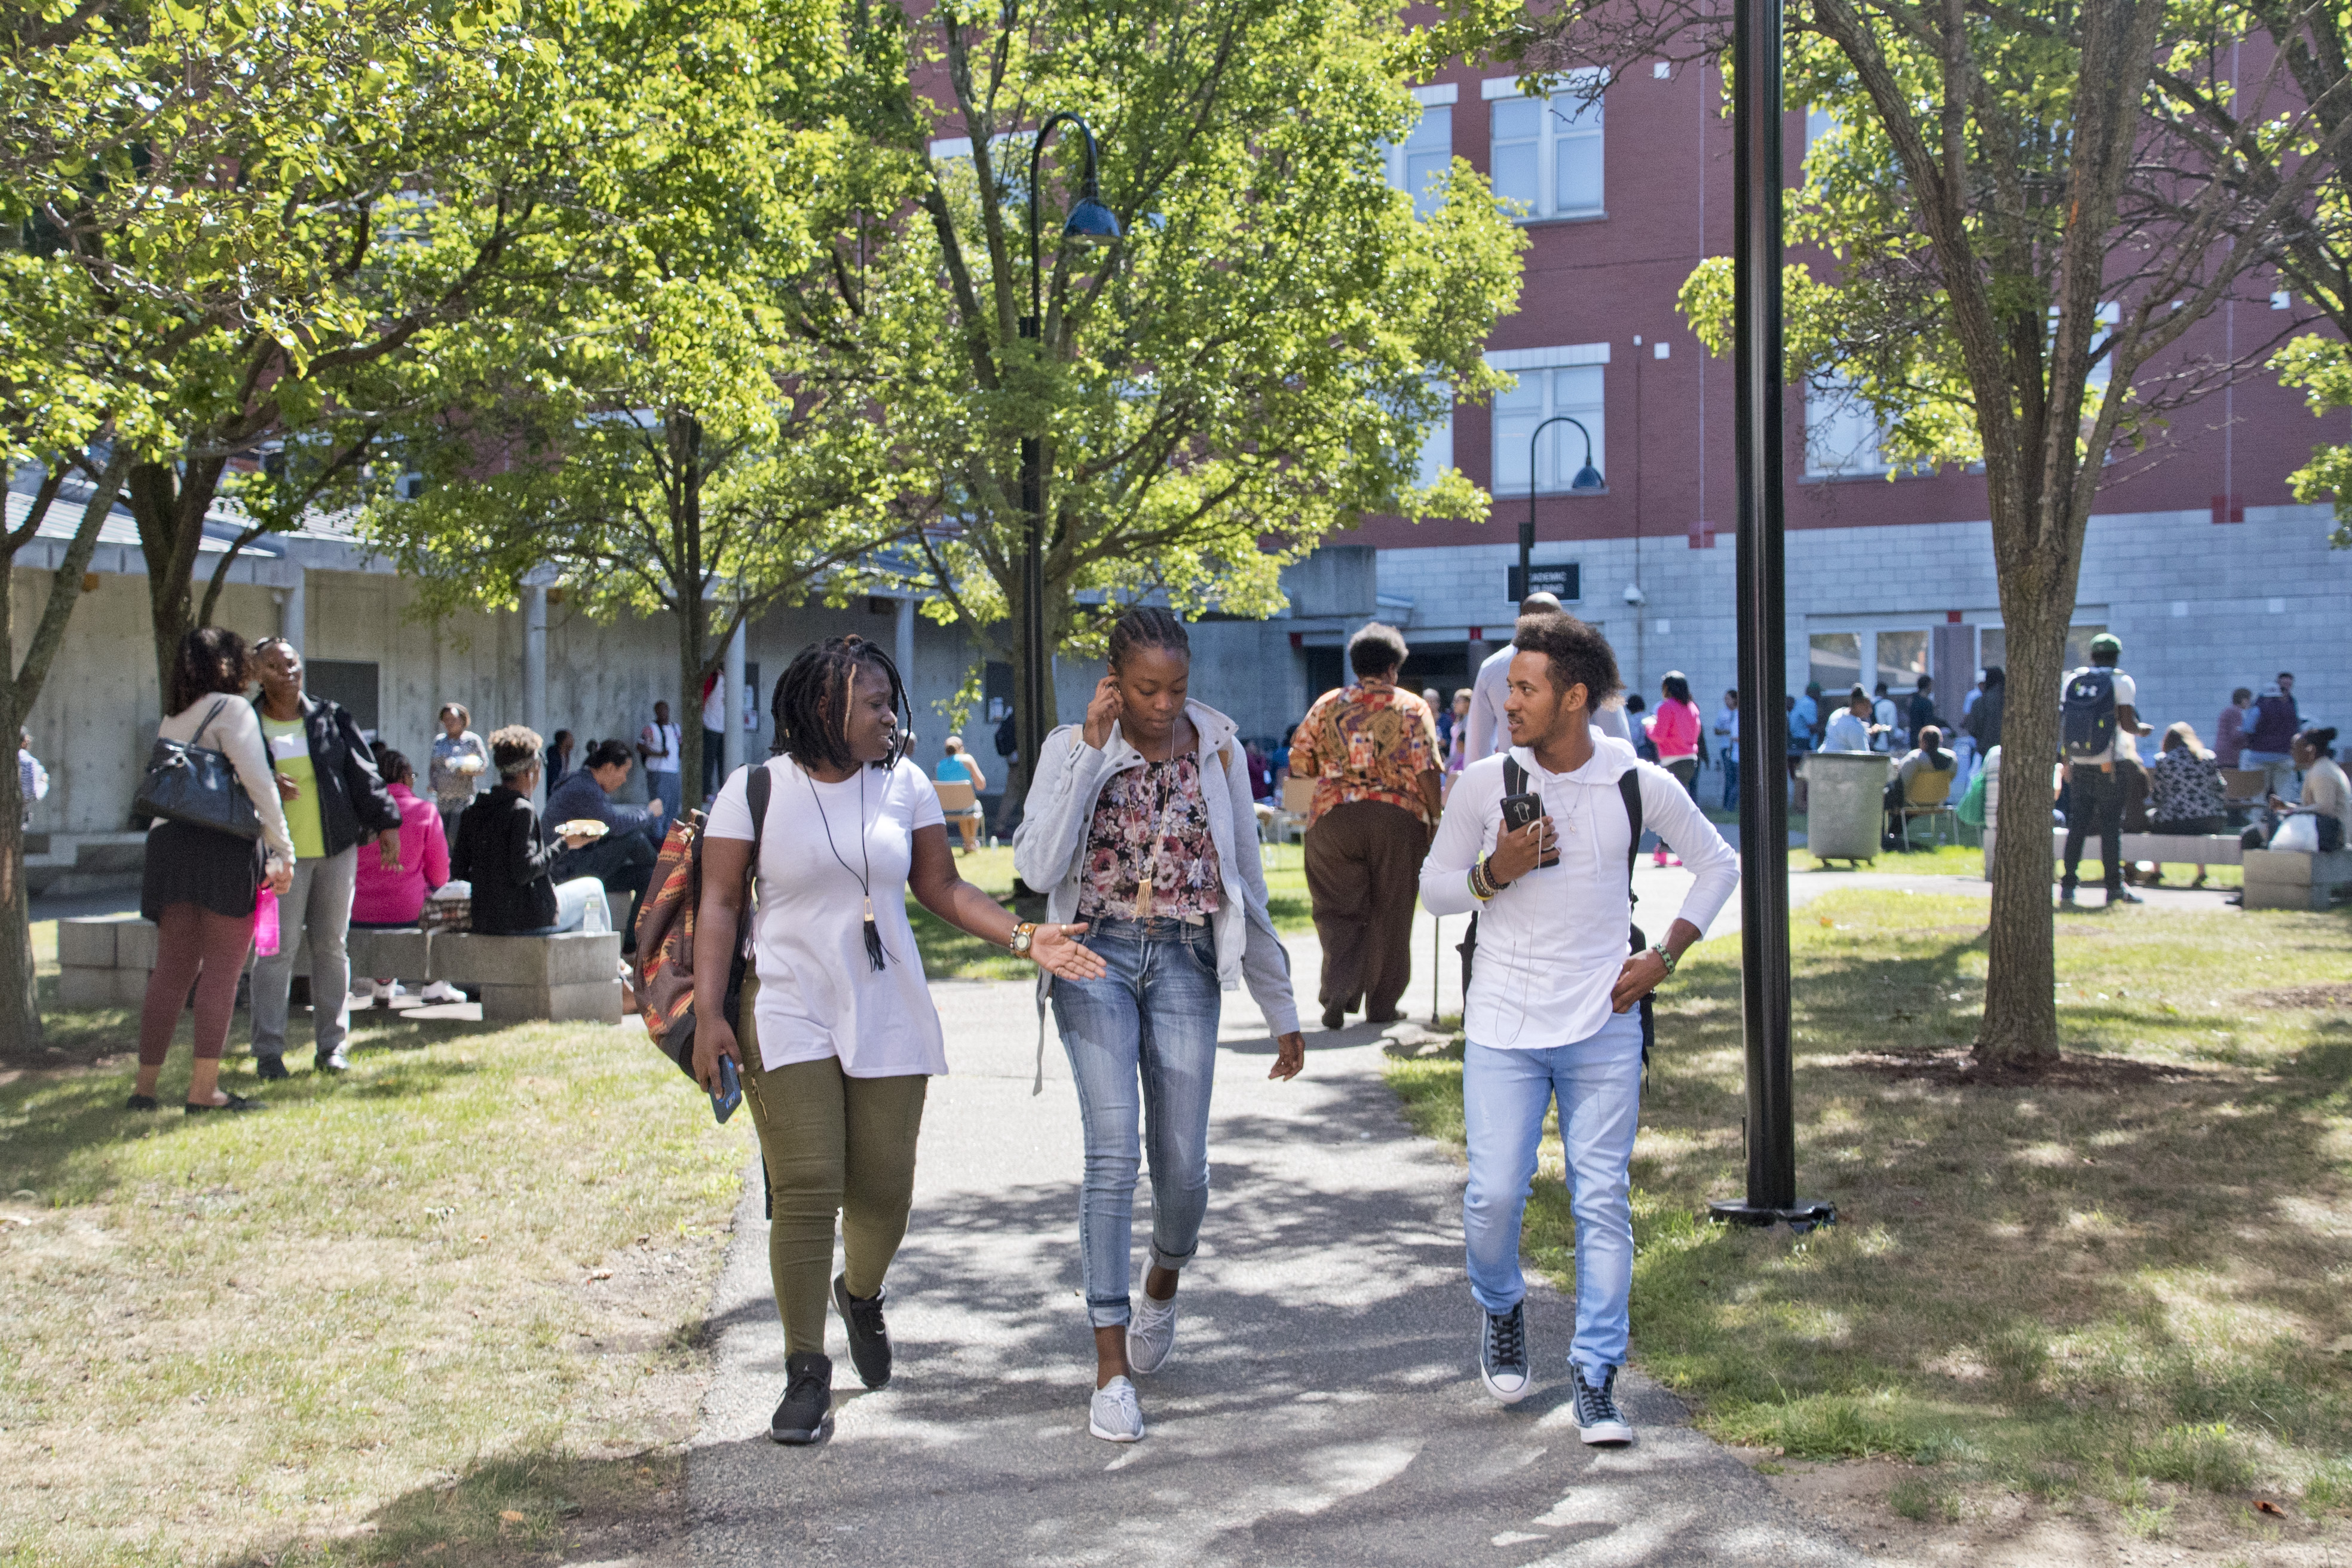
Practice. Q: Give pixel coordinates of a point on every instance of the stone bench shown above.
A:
(2161, 848)
(572, 978)
(2296, 878)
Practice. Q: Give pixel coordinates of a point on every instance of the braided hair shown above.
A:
(1148, 626)
(810, 704)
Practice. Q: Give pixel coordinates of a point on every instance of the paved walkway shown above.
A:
(1322, 1407)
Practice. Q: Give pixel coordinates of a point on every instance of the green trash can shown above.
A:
(1845, 808)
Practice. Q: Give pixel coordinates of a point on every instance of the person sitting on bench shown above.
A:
(622, 857)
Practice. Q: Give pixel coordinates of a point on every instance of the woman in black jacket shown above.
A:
(504, 852)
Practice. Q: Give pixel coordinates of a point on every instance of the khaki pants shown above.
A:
(1363, 874)
(834, 1146)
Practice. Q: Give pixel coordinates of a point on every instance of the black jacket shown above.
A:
(353, 801)
(1984, 720)
(503, 850)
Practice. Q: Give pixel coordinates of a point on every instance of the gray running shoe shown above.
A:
(1598, 1419)
(1151, 1335)
(1116, 1417)
(1503, 1353)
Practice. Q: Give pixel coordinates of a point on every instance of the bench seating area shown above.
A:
(569, 978)
(2296, 879)
(2161, 848)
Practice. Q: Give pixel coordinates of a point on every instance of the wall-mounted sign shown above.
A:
(1563, 582)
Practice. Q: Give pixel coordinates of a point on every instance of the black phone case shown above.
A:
(1519, 810)
(730, 1093)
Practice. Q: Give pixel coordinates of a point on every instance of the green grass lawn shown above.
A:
(2133, 1277)
(951, 954)
(446, 1309)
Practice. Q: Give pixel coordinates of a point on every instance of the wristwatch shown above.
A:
(1668, 959)
(1025, 934)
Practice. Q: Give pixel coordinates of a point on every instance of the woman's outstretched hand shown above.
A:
(1290, 1056)
(1058, 950)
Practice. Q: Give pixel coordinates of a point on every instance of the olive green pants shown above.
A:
(834, 1145)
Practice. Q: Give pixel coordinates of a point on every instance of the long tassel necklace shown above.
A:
(1158, 839)
(875, 954)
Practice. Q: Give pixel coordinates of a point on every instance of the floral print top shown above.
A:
(1370, 741)
(1153, 822)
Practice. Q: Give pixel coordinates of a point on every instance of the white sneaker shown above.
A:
(1115, 1415)
(382, 991)
(1151, 1335)
(441, 991)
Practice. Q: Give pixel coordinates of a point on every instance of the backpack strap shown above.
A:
(1628, 788)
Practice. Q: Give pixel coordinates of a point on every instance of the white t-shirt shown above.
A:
(2126, 744)
(819, 996)
(714, 707)
(662, 738)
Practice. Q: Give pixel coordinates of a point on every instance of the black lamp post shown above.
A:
(1089, 223)
(1764, 987)
(1588, 481)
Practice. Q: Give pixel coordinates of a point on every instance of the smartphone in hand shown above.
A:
(730, 1092)
(1519, 810)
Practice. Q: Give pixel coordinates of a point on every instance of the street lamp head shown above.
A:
(1588, 481)
(1090, 222)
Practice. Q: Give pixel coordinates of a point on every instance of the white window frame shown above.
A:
(1436, 110)
(1830, 413)
(1437, 443)
(1556, 464)
(1572, 123)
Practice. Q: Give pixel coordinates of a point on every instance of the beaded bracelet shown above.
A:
(1482, 883)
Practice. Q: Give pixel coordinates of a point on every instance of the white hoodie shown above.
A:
(1551, 945)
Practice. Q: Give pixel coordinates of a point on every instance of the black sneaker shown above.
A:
(2124, 896)
(334, 1062)
(806, 1414)
(140, 1102)
(1503, 1353)
(1598, 1419)
(269, 1068)
(869, 1339)
(2065, 897)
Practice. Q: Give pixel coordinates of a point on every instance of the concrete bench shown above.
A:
(572, 978)
(2296, 878)
(2161, 848)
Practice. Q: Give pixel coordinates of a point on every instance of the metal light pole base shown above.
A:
(1800, 1217)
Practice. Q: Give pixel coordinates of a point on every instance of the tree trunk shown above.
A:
(694, 635)
(20, 685)
(1016, 771)
(2020, 1009)
(684, 433)
(169, 502)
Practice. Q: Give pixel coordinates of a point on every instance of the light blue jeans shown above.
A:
(1597, 1082)
(669, 789)
(1142, 1042)
(2285, 782)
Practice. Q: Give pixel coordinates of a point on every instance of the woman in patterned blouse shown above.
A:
(1139, 823)
(2184, 789)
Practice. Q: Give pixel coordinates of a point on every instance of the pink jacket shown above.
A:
(382, 897)
(1673, 729)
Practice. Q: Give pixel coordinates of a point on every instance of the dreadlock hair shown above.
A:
(811, 702)
(1148, 626)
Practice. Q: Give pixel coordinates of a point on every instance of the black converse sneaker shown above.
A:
(1503, 1353)
(1598, 1419)
(806, 1414)
(869, 1339)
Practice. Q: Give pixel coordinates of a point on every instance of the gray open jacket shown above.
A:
(1049, 849)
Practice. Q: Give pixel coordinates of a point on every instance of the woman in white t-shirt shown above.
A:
(841, 1038)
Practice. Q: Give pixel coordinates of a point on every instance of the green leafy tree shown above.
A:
(689, 423)
(2015, 237)
(255, 211)
(1253, 363)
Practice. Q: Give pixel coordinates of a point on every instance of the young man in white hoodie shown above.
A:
(1554, 1009)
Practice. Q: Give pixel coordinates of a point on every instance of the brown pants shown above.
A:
(1363, 873)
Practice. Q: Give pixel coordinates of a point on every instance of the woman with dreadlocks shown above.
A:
(1141, 822)
(839, 1040)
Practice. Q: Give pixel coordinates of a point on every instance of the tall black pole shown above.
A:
(1763, 678)
(1527, 529)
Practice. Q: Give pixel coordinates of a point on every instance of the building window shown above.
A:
(1545, 155)
(1836, 663)
(1550, 382)
(1418, 165)
(1842, 432)
(1437, 447)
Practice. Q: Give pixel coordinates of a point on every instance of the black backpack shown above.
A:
(2087, 717)
(1629, 789)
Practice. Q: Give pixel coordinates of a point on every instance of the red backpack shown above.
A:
(665, 959)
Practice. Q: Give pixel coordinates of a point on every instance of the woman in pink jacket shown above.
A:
(382, 897)
(1673, 729)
